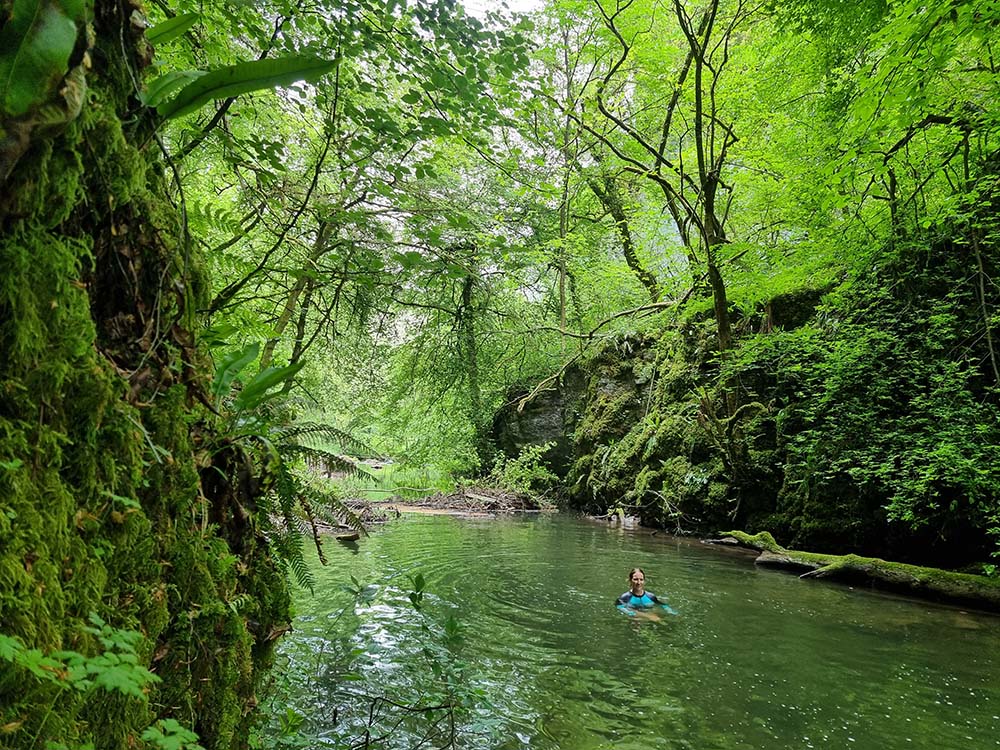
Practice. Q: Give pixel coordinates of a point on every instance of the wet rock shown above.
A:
(551, 416)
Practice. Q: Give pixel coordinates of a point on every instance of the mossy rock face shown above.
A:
(606, 450)
(101, 505)
(793, 309)
(551, 416)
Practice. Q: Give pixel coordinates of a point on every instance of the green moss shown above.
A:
(762, 540)
(607, 416)
(101, 505)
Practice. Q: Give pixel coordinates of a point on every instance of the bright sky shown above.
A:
(479, 7)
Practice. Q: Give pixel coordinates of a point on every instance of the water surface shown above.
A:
(754, 659)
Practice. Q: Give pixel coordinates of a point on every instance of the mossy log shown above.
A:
(930, 583)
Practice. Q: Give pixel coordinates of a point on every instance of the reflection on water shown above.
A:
(755, 658)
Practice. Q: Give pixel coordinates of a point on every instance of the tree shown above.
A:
(655, 133)
(106, 432)
(123, 494)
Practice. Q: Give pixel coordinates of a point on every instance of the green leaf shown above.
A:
(171, 28)
(169, 734)
(165, 85)
(234, 80)
(10, 648)
(255, 392)
(231, 366)
(411, 259)
(127, 502)
(36, 42)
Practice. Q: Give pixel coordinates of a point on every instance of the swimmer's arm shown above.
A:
(622, 607)
(666, 607)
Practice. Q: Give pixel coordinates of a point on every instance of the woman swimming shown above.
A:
(637, 597)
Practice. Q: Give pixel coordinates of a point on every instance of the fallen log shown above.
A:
(929, 583)
(785, 562)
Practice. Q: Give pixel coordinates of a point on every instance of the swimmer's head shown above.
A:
(637, 581)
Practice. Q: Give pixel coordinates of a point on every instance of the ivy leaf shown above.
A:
(171, 28)
(36, 42)
(242, 78)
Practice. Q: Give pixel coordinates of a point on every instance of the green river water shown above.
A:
(754, 659)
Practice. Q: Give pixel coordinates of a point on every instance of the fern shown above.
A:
(332, 508)
(311, 431)
(329, 462)
(287, 546)
(292, 503)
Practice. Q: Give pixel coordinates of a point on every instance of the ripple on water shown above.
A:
(755, 659)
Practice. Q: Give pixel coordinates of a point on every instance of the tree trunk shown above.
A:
(320, 246)
(610, 198)
(931, 583)
(466, 322)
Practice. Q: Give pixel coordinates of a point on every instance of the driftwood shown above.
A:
(481, 500)
(930, 583)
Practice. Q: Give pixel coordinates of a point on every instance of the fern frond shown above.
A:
(307, 507)
(287, 490)
(287, 542)
(335, 511)
(307, 432)
(330, 462)
(287, 545)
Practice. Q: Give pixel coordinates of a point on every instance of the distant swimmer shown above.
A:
(637, 598)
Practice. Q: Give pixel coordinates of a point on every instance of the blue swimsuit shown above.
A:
(628, 602)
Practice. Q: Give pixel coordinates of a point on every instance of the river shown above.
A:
(538, 657)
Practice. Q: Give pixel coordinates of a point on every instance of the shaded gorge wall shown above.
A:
(860, 418)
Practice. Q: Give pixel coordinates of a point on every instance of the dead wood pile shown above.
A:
(481, 500)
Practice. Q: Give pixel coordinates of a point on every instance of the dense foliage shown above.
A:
(745, 254)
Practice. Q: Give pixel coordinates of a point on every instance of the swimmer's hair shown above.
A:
(633, 572)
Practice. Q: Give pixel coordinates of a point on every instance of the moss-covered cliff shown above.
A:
(103, 440)
(856, 418)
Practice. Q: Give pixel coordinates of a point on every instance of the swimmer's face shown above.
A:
(638, 581)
